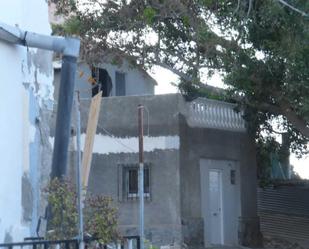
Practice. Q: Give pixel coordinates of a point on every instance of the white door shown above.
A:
(220, 201)
(215, 206)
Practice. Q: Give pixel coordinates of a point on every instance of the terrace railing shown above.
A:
(206, 113)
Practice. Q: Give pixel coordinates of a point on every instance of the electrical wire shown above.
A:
(112, 135)
(116, 139)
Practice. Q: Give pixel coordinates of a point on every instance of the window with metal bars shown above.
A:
(131, 182)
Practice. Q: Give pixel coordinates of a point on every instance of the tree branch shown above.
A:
(299, 123)
(284, 109)
(293, 8)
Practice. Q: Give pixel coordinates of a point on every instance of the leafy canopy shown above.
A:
(260, 47)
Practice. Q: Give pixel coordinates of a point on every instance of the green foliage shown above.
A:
(188, 37)
(100, 217)
(193, 91)
(71, 26)
(62, 201)
(265, 149)
(148, 245)
(149, 14)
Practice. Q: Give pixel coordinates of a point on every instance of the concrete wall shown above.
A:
(26, 94)
(137, 81)
(173, 150)
(119, 117)
(197, 143)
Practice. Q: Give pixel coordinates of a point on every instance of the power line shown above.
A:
(116, 139)
(112, 135)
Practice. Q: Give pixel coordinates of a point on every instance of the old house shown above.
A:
(200, 168)
(115, 75)
(121, 79)
(26, 98)
(200, 173)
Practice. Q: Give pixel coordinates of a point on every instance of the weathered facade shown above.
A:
(194, 152)
(26, 98)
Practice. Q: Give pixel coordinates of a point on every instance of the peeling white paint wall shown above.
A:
(23, 74)
(104, 144)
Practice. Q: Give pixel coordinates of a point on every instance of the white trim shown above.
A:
(104, 144)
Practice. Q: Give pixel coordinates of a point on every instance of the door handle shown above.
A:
(215, 214)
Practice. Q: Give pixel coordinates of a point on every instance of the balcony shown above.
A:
(206, 113)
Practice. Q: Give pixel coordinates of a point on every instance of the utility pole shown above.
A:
(141, 173)
(80, 203)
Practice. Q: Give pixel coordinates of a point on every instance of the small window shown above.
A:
(233, 176)
(102, 82)
(120, 84)
(131, 175)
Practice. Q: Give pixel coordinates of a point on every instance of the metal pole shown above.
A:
(141, 174)
(78, 175)
(63, 122)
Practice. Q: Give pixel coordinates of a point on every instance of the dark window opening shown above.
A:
(102, 81)
(120, 84)
(132, 182)
(233, 176)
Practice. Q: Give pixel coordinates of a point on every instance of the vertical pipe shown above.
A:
(63, 122)
(78, 175)
(141, 174)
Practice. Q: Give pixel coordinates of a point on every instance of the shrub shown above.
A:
(100, 215)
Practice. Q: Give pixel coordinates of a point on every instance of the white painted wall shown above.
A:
(17, 70)
(104, 144)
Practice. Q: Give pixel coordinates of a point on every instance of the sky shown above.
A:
(165, 78)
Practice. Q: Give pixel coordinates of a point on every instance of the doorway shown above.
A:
(103, 82)
(220, 198)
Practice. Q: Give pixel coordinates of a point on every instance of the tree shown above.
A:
(100, 217)
(260, 47)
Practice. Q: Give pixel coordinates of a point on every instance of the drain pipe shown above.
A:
(69, 48)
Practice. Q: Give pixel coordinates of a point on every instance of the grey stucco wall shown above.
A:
(118, 116)
(197, 143)
(162, 210)
(174, 212)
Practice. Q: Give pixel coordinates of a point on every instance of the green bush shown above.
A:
(100, 215)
